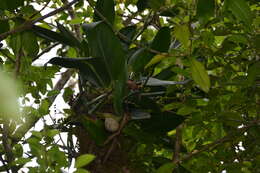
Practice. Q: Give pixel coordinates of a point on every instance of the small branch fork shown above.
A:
(114, 136)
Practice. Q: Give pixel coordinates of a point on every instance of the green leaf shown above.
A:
(16, 43)
(68, 35)
(91, 69)
(185, 110)
(162, 40)
(142, 4)
(81, 171)
(106, 8)
(156, 59)
(199, 74)
(4, 26)
(253, 72)
(156, 4)
(51, 35)
(10, 5)
(30, 44)
(96, 130)
(166, 168)
(83, 160)
(104, 45)
(182, 33)
(240, 10)
(161, 123)
(205, 10)
(129, 32)
(161, 43)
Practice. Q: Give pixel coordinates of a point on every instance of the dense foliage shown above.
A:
(161, 85)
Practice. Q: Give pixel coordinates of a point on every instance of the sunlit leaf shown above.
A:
(166, 168)
(83, 160)
(182, 33)
(200, 75)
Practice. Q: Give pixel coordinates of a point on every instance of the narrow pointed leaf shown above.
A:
(91, 69)
(106, 8)
(200, 75)
(51, 35)
(84, 160)
(68, 35)
(104, 45)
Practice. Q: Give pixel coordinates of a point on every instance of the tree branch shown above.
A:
(29, 24)
(178, 142)
(220, 141)
(23, 129)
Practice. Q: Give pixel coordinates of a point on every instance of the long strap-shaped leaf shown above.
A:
(104, 44)
(89, 68)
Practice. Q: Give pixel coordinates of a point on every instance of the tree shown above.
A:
(162, 85)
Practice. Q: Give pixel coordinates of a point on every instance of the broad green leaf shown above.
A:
(156, 59)
(205, 10)
(4, 26)
(68, 35)
(106, 8)
(104, 45)
(166, 168)
(16, 43)
(199, 74)
(240, 10)
(185, 110)
(162, 40)
(30, 44)
(84, 160)
(182, 33)
(129, 32)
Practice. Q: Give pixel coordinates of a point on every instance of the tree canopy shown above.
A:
(152, 86)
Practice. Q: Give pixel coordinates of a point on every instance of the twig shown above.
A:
(178, 142)
(72, 15)
(122, 125)
(219, 142)
(22, 130)
(18, 63)
(110, 150)
(45, 51)
(122, 36)
(4, 164)
(7, 56)
(6, 145)
(29, 24)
